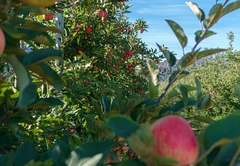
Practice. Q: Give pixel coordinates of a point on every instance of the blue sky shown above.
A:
(156, 11)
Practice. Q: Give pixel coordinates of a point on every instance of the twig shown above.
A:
(226, 1)
(168, 86)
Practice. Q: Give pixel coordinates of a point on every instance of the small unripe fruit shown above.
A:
(175, 139)
(2, 42)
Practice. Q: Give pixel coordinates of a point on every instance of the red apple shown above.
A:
(48, 16)
(174, 138)
(72, 131)
(119, 28)
(128, 28)
(88, 30)
(102, 13)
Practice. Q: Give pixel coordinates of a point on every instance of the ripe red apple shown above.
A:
(102, 13)
(119, 28)
(48, 16)
(128, 28)
(2, 42)
(88, 30)
(175, 139)
(72, 131)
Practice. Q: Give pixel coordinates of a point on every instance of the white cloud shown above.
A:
(163, 10)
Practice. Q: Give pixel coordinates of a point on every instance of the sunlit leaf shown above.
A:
(207, 34)
(196, 10)
(213, 16)
(48, 74)
(39, 27)
(187, 60)
(178, 31)
(208, 52)
(28, 91)
(231, 7)
(168, 55)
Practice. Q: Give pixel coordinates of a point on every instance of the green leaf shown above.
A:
(206, 35)
(93, 148)
(94, 160)
(221, 132)
(37, 36)
(213, 150)
(10, 30)
(204, 119)
(15, 50)
(227, 127)
(154, 84)
(117, 91)
(231, 7)
(122, 125)
(199, 92)
(59, 153)
(25, 10)
(154, 71)
(92, 153)
(8, 159)
(206, 102)
(173, 93)
(183, 74)
(187, 60)
(106, 104)
(178, 106)
(131, 103)
(140, 141)
(163, 161)
(184, 93)
(42, 55)
(208, 52)
(213, 16)
(178, 31)
(39, 163)
(39, 27)
(168, 55)
(28, 91)
(226, 154)
(46, 102)
(25, 153)
(196, 10)
(46, 72)
(97, 109)
(132, 163)
(237, 90)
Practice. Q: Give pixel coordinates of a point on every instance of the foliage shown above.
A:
(94, 104)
